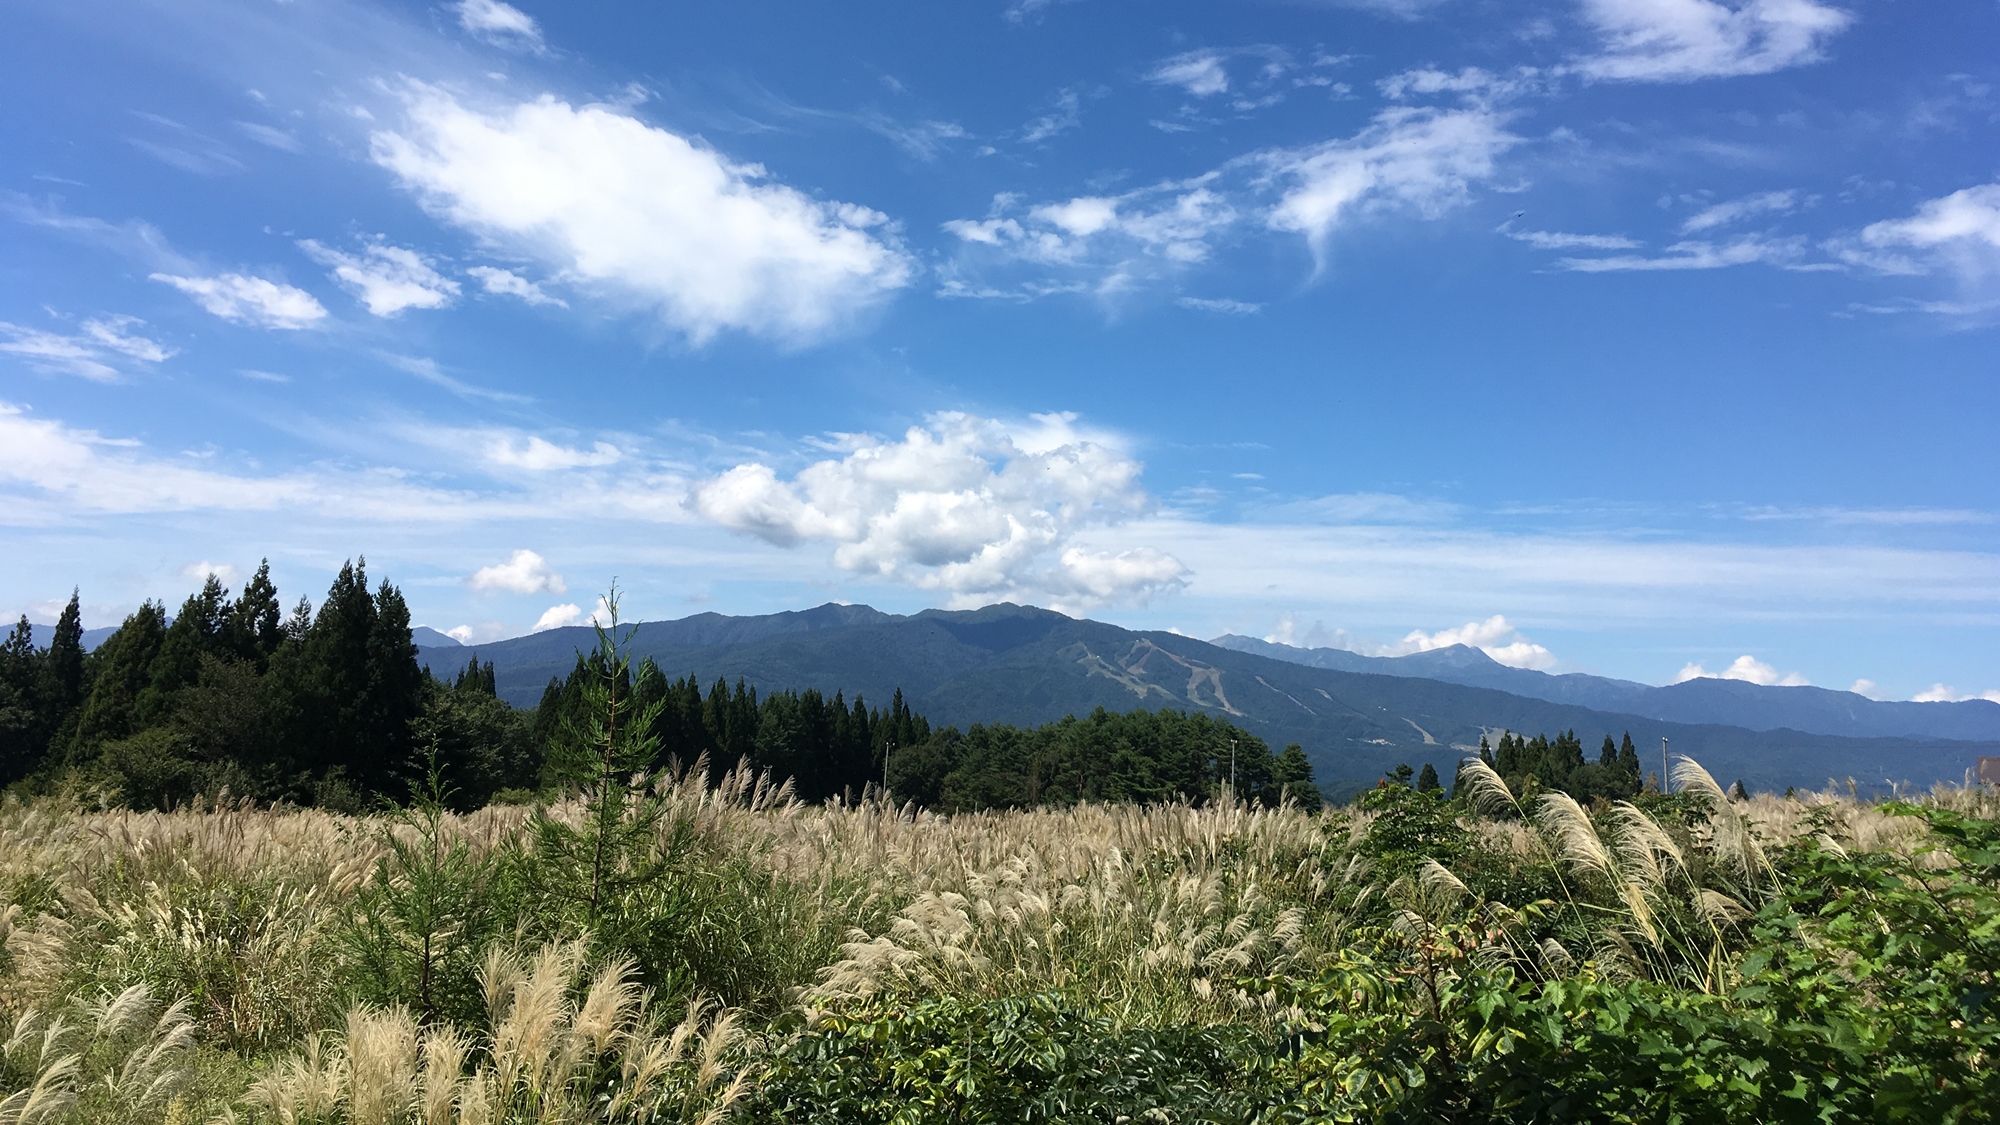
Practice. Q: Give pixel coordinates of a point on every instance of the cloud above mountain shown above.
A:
(962, 504)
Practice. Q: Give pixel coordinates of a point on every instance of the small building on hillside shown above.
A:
(1989, 771)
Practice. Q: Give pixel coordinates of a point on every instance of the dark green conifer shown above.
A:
(1427, 781)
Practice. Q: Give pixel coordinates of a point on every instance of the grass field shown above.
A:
(750, 956)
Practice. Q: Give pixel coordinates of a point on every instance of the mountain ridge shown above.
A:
(1708, 699)
(1026, 666)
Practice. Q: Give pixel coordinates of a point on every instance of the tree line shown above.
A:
(1540, 764)
(332, 707)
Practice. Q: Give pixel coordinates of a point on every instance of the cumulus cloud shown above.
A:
(500, 24)
(1747, 668)
(1493, 636)
(1419, 159)
(1959, 232)
(525, 572)
(1867, 687)
(646, 215)
(1200, 73)
(199, 571)
(1687, 40)
(513, 284)
(89, 354)
(558, 616)
(387, 279)
(1945, 693)
(964, 505)
(250, 300)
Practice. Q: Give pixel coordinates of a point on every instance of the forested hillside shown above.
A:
(337, 708)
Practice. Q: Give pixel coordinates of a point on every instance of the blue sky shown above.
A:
(1643, 337)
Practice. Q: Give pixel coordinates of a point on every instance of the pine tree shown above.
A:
(1292, 772)
(1608, 755)
(61, 689)
(123, 668)
(1427, 781)
(1628, 761)
(256, 621)
(601, 754)
(23, 742)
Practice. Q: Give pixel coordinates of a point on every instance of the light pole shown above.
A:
(1232, 767)
(1663, 764)
(887, 749)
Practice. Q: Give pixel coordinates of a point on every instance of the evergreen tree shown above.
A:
(1293, 774)
(1607, 756)
(200, 629)
(1427, 781)
(122, 672)
(23, 742)
(1628, 760)
(256, 621)
(61, 688)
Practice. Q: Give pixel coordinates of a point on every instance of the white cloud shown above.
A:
(1747, 668)
(387, 279)
(965, 505)
(514, 285)
(500, 24)
(1476, 86)
(1200, 73)
(85, 354)
(1687, 40)
(541, 455)
(1960, 232)
(1945, 693)
(199, 571)
(1697, 255)
(647, 215)
(265, 135)
(1487, 636)
(524, 573)
(1420, 159)
(1114, 234)
(1067, 115)
(1557, 240)
(558, 616)
(250, 300)
(1722, 214)
(1219, 305)
(1867, 687)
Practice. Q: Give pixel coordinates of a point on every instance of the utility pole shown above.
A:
(887, 748)
(1663, 764)
(1232, 767)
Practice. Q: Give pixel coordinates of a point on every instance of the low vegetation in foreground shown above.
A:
(641, 947)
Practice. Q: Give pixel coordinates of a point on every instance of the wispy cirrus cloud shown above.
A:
(92, 353)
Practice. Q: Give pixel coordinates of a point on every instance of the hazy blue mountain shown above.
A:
(1707, 700)
(1015, 664)
(44, 634)
(426, 637)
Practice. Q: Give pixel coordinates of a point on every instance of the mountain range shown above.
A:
(1027, 666)
(1704, 700)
